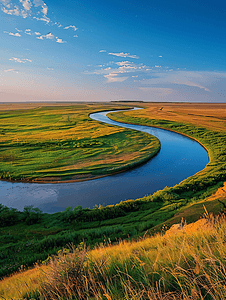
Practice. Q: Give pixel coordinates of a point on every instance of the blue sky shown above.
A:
(93, 50)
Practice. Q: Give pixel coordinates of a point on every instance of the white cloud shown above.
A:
(26, 4)
(49, 36)
(58, 24)
(115, 74)
(60, 41)
(18, 30)
(102, 51)
(28, 31)
(160, 55)
(50, 69)
(24, 8)
(44, 19)
(21, 61)
(14, 11)
(13, 34)
(157, 66)
(42, 4)
(75, 36)
(71, 26)
(121, 54)
(11, 70)
(5, 2)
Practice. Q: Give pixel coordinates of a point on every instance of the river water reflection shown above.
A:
(179, 158)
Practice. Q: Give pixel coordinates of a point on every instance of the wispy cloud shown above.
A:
(121, 54)
(11, 70)
(175, 78)
(112, 77)
(114, 72)
(102, 51)
(71, 26)
(21, 61)
(44, 19)
(13, 34)
(37, 33)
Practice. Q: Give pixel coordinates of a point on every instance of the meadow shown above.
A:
(31, 236)
(186, 262)
(58, 143)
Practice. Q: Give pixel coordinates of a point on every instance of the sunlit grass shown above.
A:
(187, 262)
(47, 141)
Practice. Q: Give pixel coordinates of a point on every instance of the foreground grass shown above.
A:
(56, 143)
(26, 239)
(187, 262)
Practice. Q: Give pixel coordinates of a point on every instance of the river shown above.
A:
(179, 158)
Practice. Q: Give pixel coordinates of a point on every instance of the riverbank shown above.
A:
(56, 144)
(30, 236)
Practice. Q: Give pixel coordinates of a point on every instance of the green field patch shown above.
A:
(64, 141)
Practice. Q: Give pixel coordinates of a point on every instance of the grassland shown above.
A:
(29, 236)
(58, 143)
(185, 262)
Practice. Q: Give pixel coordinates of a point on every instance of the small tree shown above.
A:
(32, 215)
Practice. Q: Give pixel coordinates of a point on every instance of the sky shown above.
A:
(89, 50)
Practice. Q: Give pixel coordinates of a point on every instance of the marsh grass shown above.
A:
(185, 263)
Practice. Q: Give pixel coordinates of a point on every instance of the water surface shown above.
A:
(179, 158)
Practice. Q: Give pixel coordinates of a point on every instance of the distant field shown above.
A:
(60, 142)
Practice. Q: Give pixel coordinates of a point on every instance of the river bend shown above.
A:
(179, 158)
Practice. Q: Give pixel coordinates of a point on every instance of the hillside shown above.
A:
(184, 262)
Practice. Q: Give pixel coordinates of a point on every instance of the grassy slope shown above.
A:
(129, 218)
(186, 263)
(62, 142)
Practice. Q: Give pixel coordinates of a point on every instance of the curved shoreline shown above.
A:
(57, 179)
(120, 169)
(184, 134)
(92, 177)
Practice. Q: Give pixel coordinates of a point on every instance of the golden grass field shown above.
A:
(186, 262)
(208, 115)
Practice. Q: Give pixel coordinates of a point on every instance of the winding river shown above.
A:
(179, 158)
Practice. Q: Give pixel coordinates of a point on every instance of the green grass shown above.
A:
(64, 143)
(23, 243)
(185, 263)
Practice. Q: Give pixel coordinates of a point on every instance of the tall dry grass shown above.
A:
(187, 263)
